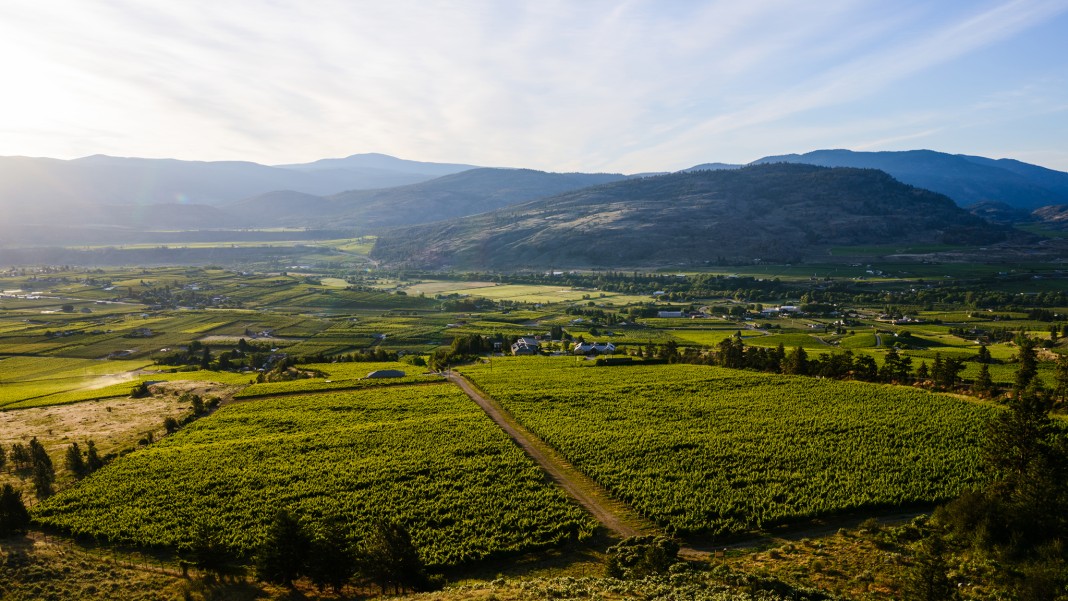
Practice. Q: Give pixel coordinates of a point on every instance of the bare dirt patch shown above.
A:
(114, 425)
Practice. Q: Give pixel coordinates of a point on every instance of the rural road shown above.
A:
(613, 515)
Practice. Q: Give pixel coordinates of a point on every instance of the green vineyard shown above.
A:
(423, 455)
(710, 451)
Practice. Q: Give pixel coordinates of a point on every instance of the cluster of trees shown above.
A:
(32, 460)
(323, 552)
(465, 348)
(944, 373)
(197, 354)
(973, 294)
(1017, 517)
(80, 463)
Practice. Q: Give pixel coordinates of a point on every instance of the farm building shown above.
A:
(525, 346)
(387, 373)
(670, 314)
(593, 348)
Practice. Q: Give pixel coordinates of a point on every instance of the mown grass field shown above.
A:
(711, 451)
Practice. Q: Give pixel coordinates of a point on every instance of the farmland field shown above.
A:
(710, 451)
(424, 455)
(24, 379)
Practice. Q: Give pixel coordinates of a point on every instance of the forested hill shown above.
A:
(773, 212)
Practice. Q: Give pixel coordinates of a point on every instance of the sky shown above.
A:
(610, 86)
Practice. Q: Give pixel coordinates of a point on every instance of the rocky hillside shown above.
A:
(773, 212)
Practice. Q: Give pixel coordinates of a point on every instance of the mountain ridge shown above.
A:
(966, 179)
(774, 212)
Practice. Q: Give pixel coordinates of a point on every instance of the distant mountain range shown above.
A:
(366, 193)
(100, 179)
(456, 195)
(966, 179)
(770, 212)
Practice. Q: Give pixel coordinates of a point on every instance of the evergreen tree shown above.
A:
(1060, 393)
(44, 474)
(74, 461)
(928, 580)
(331, 560)
(1024, 504)
(984, 384)
(937, 375)
(282, 556)
(389, 559)
(796, 362)
(1028, 368)
(92, 459)
(3, 458)
(865, 368)
(922, 373)
(14, 519)
(205, 549)
(779, 358)
(984, 354)
(20, 456)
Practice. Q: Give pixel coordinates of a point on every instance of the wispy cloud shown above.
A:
(561, 85)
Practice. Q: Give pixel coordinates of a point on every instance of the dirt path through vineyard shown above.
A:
(615, 516)
(623, 521)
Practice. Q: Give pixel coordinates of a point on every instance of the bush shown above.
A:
(636, 557)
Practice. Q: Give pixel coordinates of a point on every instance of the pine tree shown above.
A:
(1060, 393)
(74, 461)
(984, 384)
(796, 362)
(20, 456)
(205, 549)
(1028, 365)
(928, 580)
(44, 474)
(331, 560)
(389, 558)
(14, 519)
(283, 554)
(92, 460)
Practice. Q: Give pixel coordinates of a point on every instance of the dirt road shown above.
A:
(622, 519)
(615, 516)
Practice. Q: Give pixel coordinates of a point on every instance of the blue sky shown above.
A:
(555, 85)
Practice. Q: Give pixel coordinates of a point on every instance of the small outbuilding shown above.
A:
(387, 373)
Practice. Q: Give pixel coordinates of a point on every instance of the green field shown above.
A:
(711, 451)
(26, 381)
(424, 455)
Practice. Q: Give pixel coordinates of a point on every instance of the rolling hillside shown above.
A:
(777, 212)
